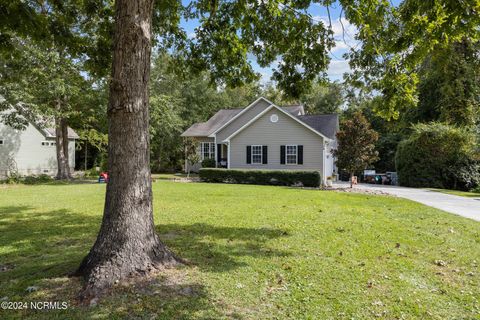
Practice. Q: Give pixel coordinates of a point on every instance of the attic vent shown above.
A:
(274, 118)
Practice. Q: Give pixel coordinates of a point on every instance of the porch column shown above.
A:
(228, 154)
(219, 154)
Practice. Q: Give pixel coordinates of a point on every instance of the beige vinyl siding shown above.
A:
(239, 122)
(330, 166)
(286, 131)
(25, 148)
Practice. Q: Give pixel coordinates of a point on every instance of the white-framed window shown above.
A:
(291, 154)
(257, 154)
(207, 150)
(1, 142)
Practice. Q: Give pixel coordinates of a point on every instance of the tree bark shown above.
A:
(127, 244)
(61, 139)
(86, 155)
(351, 179)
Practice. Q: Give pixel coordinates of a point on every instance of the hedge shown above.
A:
(208, 163)
(438, 156)
(262, 177)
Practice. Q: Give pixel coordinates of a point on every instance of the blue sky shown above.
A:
(338, 65)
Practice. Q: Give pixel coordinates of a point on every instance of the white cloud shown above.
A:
(265, 77)
(337, 68)
(340, 45)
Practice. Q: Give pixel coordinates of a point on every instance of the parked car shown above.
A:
(379, 178)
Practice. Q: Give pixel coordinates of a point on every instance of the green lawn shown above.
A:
(458, 193)
(256, 252)
(170, 176)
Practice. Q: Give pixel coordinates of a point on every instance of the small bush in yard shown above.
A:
(43, 178)
(208, 163)
(262, 177)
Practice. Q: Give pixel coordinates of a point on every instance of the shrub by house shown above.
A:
(438, 156)
(262, 177)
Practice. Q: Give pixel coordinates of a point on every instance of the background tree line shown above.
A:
(444, 116)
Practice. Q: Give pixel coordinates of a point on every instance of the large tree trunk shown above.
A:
(127, 245)
(61, 133)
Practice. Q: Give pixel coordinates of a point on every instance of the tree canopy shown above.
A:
(396, 39)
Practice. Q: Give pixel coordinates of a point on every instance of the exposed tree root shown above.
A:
(102, 271)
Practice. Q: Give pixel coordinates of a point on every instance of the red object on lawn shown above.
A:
(104, 175)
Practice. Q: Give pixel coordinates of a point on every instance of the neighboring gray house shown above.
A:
(31, 151)
(266, 136)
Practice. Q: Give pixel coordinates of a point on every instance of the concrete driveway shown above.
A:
(462, 206)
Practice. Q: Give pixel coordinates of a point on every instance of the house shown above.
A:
(31, 151)
(266, 136)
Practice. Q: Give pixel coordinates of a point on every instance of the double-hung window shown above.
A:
(207, 150)
(257, 154)
(291, 154)
(1, 142)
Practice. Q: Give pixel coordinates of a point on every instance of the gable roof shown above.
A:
(203, 129)
(240, 113)
(296, 110)
(327, 124)
(258, 116)
(50, 133)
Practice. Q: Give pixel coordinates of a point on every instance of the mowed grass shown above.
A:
(468, 194)
(255, 252)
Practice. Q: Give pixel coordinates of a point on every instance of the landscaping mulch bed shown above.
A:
(362, 190)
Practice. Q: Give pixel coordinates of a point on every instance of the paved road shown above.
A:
(462, 206)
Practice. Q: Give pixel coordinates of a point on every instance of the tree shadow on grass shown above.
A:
(219, 249)
(13, 209)
(42, 248)
(43, 244)
(64, 183)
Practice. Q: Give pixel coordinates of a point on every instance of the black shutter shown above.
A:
(282, 154)
(249, 154)
(299, 154)
(265, 154)
(219, 153)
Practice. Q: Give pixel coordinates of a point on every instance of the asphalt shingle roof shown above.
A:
(325, 124)
(203, 129)
(296, 110)
(71, 133)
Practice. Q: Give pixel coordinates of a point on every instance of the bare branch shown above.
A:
(329, 18)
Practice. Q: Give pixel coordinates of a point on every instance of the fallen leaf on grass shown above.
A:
(440, 263)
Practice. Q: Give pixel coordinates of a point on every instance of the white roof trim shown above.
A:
(47, 134)
(281, 110)
(238, 115)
